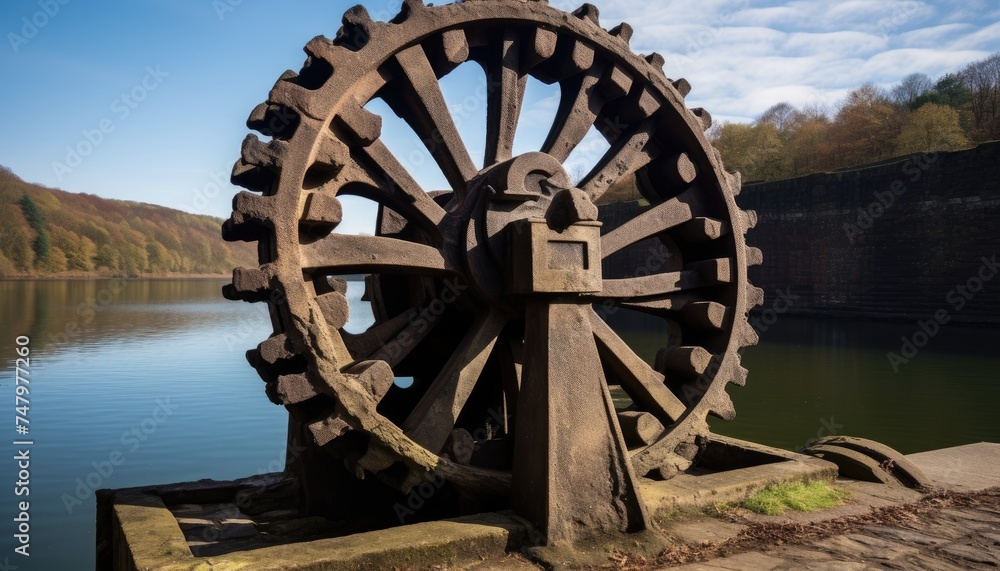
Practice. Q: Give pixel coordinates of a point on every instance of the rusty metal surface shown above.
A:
(485, 293)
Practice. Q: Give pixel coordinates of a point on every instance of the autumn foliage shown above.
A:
(872, 124)
(48, 232)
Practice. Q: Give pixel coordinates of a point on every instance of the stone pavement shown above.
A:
(962, 533)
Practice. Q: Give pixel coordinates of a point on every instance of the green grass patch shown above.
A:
(814, 496)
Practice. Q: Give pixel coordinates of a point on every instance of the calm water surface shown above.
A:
(153, 373)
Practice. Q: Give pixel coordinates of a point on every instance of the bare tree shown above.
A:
(982, 78)
(781, 115)
(910, 89)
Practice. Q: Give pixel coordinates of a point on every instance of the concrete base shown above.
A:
(254, 523)
(145, 529)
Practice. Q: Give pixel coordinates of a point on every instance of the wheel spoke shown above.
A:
(696, 275)
(424, 107)
(628, 155)
(660, 218)
(639, 380)
(434, 417)
(364, 345)
(577, 112)
(395, 187)
(583, 98)
(344, 254)
(506, 86)
(397, 346)
(378, 174)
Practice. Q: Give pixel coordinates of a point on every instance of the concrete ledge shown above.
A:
(697, 492)
(145, 535)
(969, 468)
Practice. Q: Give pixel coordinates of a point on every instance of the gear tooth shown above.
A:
(724, 407)
(294, 389)
(268, 155)
(755, 297)
(616, 83)
(258, 117)
(254, 358)
(274, 349)
(682, 86)
(541, 49)
(250, 284)
(755, 256)
(657, 61)
(376, 376)
(704, 117)
(259, 163)
(623, 32)
(322, 214)
(706, 315)
(588, 12)
(688, 361)
(236, 229)
(749, 218)
(408, 9)
(254, 206)
(701, 229)
(328, 428)
(455, 47)
(358, 29)
(335, 309)
(648, 104)
(294, 96)
(748, 335)
(322, 48)
(735, 182)
(741, 377)
(275, 121)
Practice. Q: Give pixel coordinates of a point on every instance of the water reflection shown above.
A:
(814, 377)
(151, 370)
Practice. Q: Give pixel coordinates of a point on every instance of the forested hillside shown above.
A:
(956, 111)
(48, 232)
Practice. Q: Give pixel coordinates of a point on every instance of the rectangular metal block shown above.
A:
(546, 261)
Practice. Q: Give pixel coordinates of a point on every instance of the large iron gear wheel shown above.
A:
(436, 266)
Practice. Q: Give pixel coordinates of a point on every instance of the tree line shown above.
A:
(957, 111)
(48, 232)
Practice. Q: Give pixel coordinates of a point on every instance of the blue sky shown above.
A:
(171, 82)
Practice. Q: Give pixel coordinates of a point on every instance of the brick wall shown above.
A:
(891, 240)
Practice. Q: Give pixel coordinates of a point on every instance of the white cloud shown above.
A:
(987, 38)
(934, 36)
(741, 58)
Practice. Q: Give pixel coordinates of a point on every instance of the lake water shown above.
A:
(151, 374)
